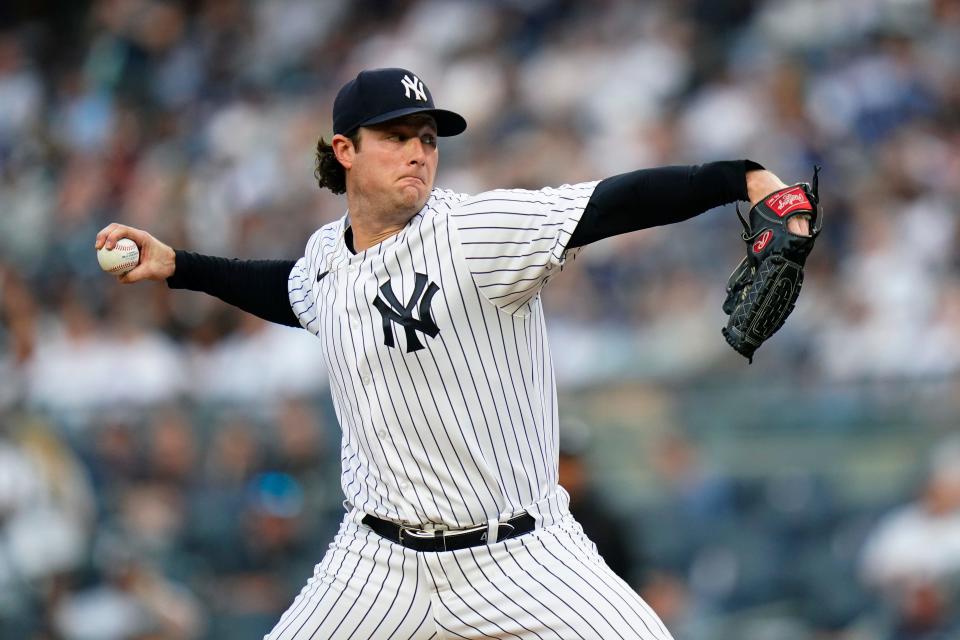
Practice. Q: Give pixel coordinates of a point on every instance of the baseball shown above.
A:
(124, 256)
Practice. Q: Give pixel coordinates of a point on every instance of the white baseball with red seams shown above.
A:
(124, 256)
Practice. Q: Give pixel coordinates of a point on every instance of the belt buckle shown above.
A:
(417, 534)
(505, 529)
(439, 536)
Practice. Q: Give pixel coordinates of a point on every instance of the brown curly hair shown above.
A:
(329, 172)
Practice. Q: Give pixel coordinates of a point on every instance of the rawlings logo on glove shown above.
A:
(785, 201)
(763, 289)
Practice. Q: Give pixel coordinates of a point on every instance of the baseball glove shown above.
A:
(763, 289)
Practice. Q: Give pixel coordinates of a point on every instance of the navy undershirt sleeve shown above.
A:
(255, 286)
(627, 202)
(653, 197)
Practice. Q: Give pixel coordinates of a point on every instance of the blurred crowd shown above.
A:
(198, 121)
(170, 523)
(169, 465)
(199, 522)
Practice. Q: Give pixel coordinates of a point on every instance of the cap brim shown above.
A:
(448, 122)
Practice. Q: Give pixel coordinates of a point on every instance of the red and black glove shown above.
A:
(763, 289)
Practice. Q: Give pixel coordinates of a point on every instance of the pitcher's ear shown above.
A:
(344, 149)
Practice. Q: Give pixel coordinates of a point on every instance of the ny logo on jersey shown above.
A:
(415, 85)
(392, 311)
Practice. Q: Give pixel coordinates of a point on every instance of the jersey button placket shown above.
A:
(360, 289)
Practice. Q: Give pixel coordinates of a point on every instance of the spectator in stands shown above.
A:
(913, 554)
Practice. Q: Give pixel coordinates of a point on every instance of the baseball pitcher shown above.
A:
(426, 304)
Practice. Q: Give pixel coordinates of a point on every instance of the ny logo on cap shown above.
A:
(415, 85)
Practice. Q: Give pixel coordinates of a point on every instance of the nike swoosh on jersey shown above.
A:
(321, 276)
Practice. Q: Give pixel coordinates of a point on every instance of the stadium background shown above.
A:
(169, 466)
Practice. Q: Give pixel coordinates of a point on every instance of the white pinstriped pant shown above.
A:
(549, 584)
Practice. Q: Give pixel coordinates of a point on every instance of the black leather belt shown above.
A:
(422, 540)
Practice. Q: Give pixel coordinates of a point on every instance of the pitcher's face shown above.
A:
(396, 164)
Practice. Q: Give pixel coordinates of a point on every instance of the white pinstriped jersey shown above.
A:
(437, 351)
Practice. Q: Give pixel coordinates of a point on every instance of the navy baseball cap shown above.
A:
(378, 95)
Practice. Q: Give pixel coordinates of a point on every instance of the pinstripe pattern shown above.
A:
(550, 584)
(365, 587)
(547, 585)
(429, 436)
(452, 428)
